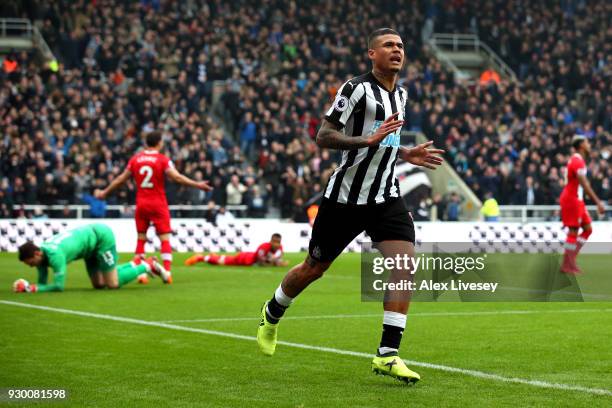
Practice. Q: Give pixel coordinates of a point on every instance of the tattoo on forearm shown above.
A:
(332, 138)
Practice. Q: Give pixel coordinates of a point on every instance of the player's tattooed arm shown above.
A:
(329, 135)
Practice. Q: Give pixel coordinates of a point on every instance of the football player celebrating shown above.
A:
(267, 254)
(95, 244)
(573, 211)
(149, 169)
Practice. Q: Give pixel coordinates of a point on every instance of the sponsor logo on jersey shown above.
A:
(392, 139)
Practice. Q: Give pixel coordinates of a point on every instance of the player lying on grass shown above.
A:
(573, 211)
(267, 254)
(95, 244)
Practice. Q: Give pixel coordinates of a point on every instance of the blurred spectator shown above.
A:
(210, 214)
(248, 134)
(39, 214)
(489, 77)
(490, 208)
(257, 207)
(97, 208)
(224, 216)
(235, 189)
(299, 212)
(453, 208)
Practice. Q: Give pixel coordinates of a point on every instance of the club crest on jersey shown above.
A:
(392, 139)
(341, 103)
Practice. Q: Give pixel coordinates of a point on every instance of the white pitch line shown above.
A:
(353, 316)
(471, 373)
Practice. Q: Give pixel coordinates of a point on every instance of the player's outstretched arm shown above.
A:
(329, 135)
(177, 177)
(115, 184)
(584, 182)
(422, 155)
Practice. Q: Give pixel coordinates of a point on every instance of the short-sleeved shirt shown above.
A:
(265, 249)
(149, 171)
(366, 176)
(573, 191)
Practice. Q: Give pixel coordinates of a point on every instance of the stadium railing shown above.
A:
(14, 31)
(118, 211)
(514, 213)
(441, 42)
(445, 180)
(529, 213)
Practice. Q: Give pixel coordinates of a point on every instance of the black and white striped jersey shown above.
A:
(366, 175)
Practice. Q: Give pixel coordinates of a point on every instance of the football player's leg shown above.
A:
(296, 280)
(97, 280)
(164, 230)
(213, 259)
(334, 228)
(126, 273)
(587, 229)
(142, 224)
(96, 277)
(106, 260)
(396, 302)
(229, 260)
(244, 259)
(570, 216)
(194, 259)
(393, 233)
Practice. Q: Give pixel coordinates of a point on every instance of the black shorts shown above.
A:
(336, 225)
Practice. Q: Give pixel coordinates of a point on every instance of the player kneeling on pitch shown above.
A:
(267, 254)
(95, 244)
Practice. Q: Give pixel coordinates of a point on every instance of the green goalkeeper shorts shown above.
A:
(104, 258)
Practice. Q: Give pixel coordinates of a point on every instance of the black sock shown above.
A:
(391, 337)
(274, 311)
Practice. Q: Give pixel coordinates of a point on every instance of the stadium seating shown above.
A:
(127, 67)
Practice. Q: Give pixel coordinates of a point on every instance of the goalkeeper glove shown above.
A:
(22, 285)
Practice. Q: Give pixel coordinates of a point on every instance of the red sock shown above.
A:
(570, 248)
(230, 260)
(212, 259)
(140, 250)
(583, 238)
(570, 242)
(166, 254)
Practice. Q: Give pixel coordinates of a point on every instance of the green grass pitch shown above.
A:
(106, 363)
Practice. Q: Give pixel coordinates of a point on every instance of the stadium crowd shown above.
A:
(129, 67)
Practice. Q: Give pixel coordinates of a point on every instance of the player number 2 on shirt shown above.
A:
(147, 171)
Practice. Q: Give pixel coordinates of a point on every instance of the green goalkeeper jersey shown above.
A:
(65, 247)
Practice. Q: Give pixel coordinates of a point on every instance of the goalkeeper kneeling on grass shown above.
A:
(95, 244)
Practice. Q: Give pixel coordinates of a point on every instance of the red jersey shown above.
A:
(149, 171)
(265, 249)
(573, 190)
